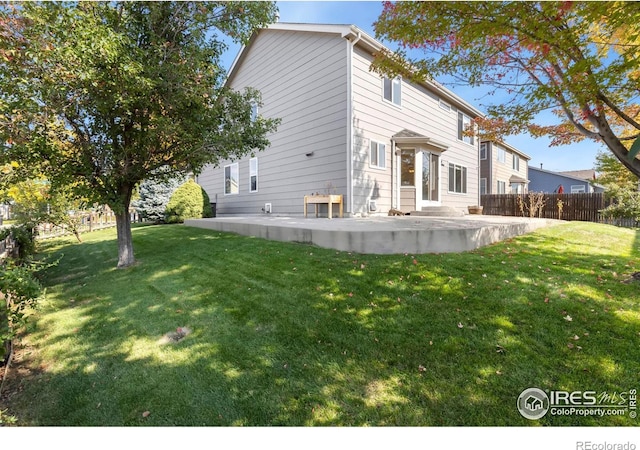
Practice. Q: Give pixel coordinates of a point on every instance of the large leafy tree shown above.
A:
(579, 59)
(99, 95)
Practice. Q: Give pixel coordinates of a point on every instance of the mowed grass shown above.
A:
(290, 334)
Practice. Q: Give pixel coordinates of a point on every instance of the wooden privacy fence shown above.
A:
(584, 207)
(86, 222)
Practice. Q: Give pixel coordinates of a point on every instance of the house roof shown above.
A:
(511, 149)
(362, 39)
(411, 137)
(588, 174)
(517, 179)
(565, 175)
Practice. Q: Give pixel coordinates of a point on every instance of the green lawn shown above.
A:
(289, 334)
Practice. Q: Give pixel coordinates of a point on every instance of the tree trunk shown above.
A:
(617, 148)
(125, 241)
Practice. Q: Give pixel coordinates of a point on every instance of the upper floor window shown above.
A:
(516, 163)
(502, 155)
(378, 155)
(464, 125)
(392, 90)
(483, 150)
(445, 106)
(254, 111)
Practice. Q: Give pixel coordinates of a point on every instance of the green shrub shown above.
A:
(189, 201)
(19, 290)
(24, 236)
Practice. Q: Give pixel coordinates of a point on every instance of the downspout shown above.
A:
(395, 202)
(350, 46)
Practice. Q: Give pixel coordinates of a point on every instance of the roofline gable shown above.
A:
(363, 39)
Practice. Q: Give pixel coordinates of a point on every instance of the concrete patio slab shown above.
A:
(381, 235)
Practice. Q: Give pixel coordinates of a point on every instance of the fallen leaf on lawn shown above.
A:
(460, 325)
(498, 372)
(568, 318)
(146, 414)
(500, 349)
(576, 337)
(570, 345)
(546, 300)
(430, 342)
(415, 261)
(422, 368)
(362, 266)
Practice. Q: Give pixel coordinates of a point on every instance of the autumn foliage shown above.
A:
(578, 59)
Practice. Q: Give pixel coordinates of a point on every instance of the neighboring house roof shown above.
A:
(588, 174)
(511, 149)
(355, 34)
(565, 175)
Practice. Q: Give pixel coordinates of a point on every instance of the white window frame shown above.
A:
(464, 122)
(377, 158)
(484, 148)
(233, 167)
(458, 171)
(254, 111)
(483, 186)
(501, 155)
(395, 93)
(253, 172)
(501, 187)
(578, 189)
(515, 165)
(445, 106)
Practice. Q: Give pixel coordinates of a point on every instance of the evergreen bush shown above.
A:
(154, 197)
(189, 201)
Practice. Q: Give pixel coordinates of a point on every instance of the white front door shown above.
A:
(427, 179)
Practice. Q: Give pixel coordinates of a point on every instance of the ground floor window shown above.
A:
(502, 187)
(577, 189)
(457, 179)
(483, 186)
(377, 155)
(517, 188)
(253, 174)
(231, 179)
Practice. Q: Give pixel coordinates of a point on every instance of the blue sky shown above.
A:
(364, 13)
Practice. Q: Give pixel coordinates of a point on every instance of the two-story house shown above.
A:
(503, 169)
(381, 143)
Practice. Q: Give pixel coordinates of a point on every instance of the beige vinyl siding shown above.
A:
(420, 112)
(303, 80)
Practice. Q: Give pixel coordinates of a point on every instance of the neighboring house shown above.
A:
(503, 169)
(550, 182)
(381, 143)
